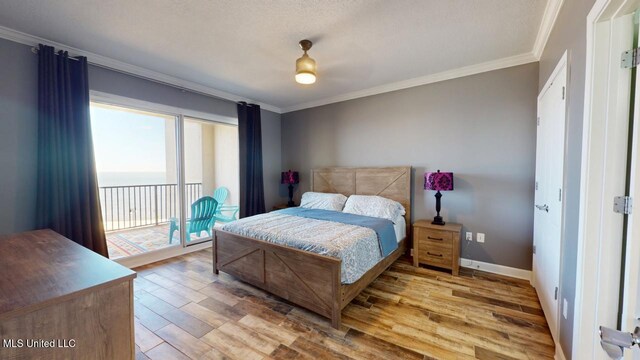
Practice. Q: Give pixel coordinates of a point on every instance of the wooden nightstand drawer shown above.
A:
(435, 255)
(435, 237)
(436, 245)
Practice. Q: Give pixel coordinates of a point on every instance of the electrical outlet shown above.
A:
(565, 306)
(480, 237)
(469, 236)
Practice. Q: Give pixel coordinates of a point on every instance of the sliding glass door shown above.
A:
(157, 175)
(210, 163)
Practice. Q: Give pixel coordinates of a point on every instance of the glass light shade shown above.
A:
(305, 70)
(305, 78)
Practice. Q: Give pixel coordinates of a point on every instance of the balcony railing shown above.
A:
(132, 206)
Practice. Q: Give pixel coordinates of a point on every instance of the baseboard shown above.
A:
(559, 353)
(496, 269)
(159, 255)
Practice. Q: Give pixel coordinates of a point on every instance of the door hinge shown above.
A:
(411, 252)
(536, 185)
(560, 195)
(622, 204)
(555, 297)
(534, 249)
(630, 58)
(538, 121)
(563, 90)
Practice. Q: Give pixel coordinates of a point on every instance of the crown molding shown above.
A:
(516, 60)
(551, 12)
(549, 18)
(106, 62)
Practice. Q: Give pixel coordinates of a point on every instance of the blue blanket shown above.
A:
(383, 227)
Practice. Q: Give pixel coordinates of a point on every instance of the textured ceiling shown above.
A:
(249, 47)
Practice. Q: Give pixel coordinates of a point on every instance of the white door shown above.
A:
(614, 341)
(622, 340)
(607, 171)
(630, 317)
(549, 193)
(624, 335)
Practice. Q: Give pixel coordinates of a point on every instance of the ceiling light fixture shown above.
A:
(305, 66)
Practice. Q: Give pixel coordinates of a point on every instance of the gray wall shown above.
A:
(18, 137)
(569, 33)
(19, 134)
(271, 157)
(481, 127)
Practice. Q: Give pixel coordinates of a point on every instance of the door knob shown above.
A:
(544, 207)
(614, 342)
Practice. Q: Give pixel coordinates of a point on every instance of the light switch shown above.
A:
(480, 237)
(469, 236)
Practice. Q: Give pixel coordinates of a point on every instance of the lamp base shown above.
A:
(291, 203)
(437, 220)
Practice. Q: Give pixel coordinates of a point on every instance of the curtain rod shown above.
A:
(34, 50)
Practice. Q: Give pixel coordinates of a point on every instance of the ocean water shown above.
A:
(131, 178)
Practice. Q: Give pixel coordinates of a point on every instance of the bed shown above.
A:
(305, 278)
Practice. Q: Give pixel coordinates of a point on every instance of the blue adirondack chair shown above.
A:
(202, 218)
(231, 211)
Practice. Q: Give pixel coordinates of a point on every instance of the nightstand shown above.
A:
(282, 206)
(437, 245)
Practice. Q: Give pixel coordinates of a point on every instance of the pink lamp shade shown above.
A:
(439, 181)
(289, 177)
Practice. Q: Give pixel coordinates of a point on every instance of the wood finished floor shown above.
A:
(184, 311)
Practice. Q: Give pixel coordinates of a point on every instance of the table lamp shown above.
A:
(290, 178)
(438, 181)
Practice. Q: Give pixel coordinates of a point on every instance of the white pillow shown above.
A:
(374, 206)
(324, 201)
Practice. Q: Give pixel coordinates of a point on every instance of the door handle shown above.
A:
(544, 207)
(614, 342)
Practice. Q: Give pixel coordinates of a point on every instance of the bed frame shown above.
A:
(305, 278)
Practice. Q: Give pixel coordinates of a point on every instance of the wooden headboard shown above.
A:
(390, 182)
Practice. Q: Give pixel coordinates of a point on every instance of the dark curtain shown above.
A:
(67, 197)
(251, 181)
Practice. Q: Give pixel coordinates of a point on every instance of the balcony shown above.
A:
(136, 217)
(138, 161)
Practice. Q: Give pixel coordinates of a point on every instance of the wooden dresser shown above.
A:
(72, 302)
(437, 245)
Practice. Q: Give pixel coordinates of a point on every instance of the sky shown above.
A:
(127, 141)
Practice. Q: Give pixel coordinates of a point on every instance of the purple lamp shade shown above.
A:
(439, 181)
(289, 177)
